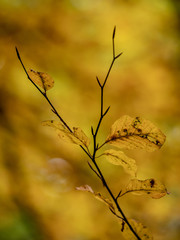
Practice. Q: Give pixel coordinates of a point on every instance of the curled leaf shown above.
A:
(119, 158)
(151, 187)
(108, 202)
(76, 137)
(141, 230)
(41, 79)
(133, 133)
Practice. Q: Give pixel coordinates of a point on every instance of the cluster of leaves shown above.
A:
(125, 133)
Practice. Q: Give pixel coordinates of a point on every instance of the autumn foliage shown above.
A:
(126, 133)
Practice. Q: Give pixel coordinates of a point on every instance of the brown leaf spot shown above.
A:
(136, 121)
(133, 133)
(152, 182)
(122, 228)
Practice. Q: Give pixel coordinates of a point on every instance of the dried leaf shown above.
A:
(133, 133)
(151, 187)
(85, 188)
(43, 80)
(108, 202)
(76, 137)
(119, 158)
(141, 230)
(79, 134)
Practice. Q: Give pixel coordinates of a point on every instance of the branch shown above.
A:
(105, 81)
(43, 93)
(115, 213)
(115, 200)
(96, 147)
(94, 170)
(119, 194)
(97, 170)
(86, 151)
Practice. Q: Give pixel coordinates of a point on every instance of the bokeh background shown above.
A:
(71, 40)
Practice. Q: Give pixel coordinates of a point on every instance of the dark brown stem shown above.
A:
(115, 200)
(96, 147)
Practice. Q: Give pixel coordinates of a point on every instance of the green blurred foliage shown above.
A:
(71, 40)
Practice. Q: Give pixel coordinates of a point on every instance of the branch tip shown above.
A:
(53, 111)
(98, 81)
(119, 194)
(106, 111)
(118, 55)
(114, 31)
(17, 52)
(92, 131)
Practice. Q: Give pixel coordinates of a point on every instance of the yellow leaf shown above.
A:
(43, 80)
(151, 187)
(141, 230)
(132, 133)
(119, 158)
(79, 134)
(108, 202)
(76, 137)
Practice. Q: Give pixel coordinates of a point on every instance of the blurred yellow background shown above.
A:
(71, 40)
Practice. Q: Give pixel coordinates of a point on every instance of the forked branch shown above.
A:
(96, 147)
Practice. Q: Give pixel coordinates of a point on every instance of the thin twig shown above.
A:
(113, 45)
(115, 213)
(86, 151)
(94, 170)
(98, 81)
(119, 194)
(43, 93)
